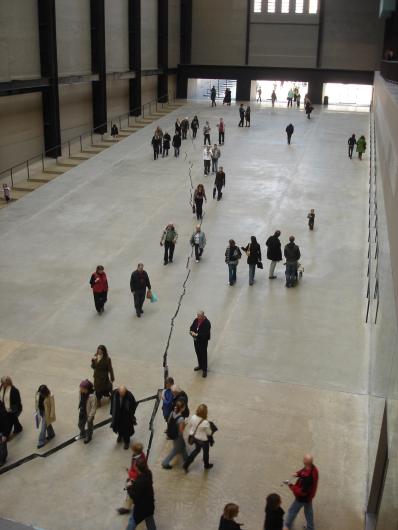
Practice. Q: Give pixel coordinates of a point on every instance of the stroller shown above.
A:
(299, 274)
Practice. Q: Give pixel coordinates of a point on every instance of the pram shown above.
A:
(299, 273)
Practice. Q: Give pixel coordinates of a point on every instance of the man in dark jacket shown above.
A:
(176, 144)
(304, 491)
(351, 142)
(289, 132)
(180, 395)
(139, 282)
(274, 252)
(292, 255)
(213, 95)
(200, 331)
(219, 182)
(241, 115)
(123, 406)
(11, 398)
(144, 499)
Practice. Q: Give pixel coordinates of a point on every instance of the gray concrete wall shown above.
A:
(149, 34)
(118, 97)
(174, 33)
(352, 35)
(219, 32)
(149, 88)
(75, 110)
(21, 136)
(19, 40)
(384, 334)
(116, 35)
(73, 36)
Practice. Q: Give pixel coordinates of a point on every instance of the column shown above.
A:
(163, 50)
(98, 65)
(134, 22)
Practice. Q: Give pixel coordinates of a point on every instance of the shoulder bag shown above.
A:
(191, 437)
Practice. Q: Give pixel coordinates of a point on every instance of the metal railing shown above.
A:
(85, 140)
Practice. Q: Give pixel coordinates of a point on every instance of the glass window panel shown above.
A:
(257, 6)
(271, 6)
(299, 6)
(313, 7)
(285, 6)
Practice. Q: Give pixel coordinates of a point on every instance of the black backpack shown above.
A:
(172, 427)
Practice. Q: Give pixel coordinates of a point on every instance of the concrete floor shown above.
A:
(288, 368)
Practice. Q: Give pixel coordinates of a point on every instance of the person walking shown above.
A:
(308, 106)
(156, 142)
(361, 146)
(198, 242)
(304, 491)
(159, 134)
(7, 192)
(180, 395)
(259, 92)
(194, 126)
(247, 116)
(292, 255)
(215, 155)
(123, 407)
(219, 183)
(298, 99)
(143, 498)
(166, 144)
(11, 398)
(228, 96)
(227, 520)
(206, 133)
(114, 131)
(199, 432)
(200, 331)
(289, 132)
(87, 409)
(167, 398)
(274, 252)
(351, 143)
(132, 474)
(169, 240)
(206, 160)
(139, 283)
(253, 253)
(45, 411)
(99, 285)
(241, 115)
(273, 98)
(177, 127)
(176, 144)
(311, 219)
(232, 257)
(213, 95)
(273, 513)
(175, 432)
(4, 429)
(103, 374)
(198, 197)
(221, 132)
(184, 128)
(290, 98)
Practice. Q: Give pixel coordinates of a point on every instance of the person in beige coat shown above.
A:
(87, 410)
(45, 414)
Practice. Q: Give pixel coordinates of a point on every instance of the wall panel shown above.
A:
(75, 107)
(116, 35)
(174, 33)
(149, 87)
(117, 97)
(149, 34)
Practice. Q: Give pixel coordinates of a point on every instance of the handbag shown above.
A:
(193, 209)
(191, 437)
(214, 192)
(260, 265)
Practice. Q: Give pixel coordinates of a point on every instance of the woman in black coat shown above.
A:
(273, 513)
(123, 406)
(227, 521)
(253, 253)
(11, 398)
(166, 144)
(143, 498)
(274, 252)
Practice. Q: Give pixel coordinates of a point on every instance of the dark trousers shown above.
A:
(207, 138)
(221, 136)
(219, 192)
(311, 224)
(100, 300)
(289, 137)
(168, 251)
(155, 153)
(184, 134)
(289, 102)
(198, 207)
(350, 150)
(176, 151)
(198, 253)
(82, 424)
(199, 445)
(213, 103)
(13, 423)
(139, 299)
(207, 166)
(241, 121)
(165, 151)
(247, 123)
(194, 131)
(201, 354)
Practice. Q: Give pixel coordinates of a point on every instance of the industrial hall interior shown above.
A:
(198, 264)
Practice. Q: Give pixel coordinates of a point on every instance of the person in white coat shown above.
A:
(206, 160)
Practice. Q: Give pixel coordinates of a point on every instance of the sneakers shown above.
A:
(209, 466)
(167, 467)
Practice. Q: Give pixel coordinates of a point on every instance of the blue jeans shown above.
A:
(149, 521)
(252, 272)
(291, 273)
(232, 273)
(179, 447)
(214, 164)
(45, 430)
(294, 510)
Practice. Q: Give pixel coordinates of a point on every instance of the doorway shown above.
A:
(281, 90)
(200, 88)
(346, 94)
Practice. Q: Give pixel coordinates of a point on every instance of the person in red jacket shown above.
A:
(132, 473)
(99, 285)
(304, 490)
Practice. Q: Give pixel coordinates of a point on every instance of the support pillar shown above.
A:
(243, 87)
(134, 24)
(49, 69)
(163, 50)
(186, 32)
(98, 65)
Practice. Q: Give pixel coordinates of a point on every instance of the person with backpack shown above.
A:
(175, 432)
(232, 257)
(167, 398)
(169, 240)
(253, 253)
(99, 285)
(194, 126)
